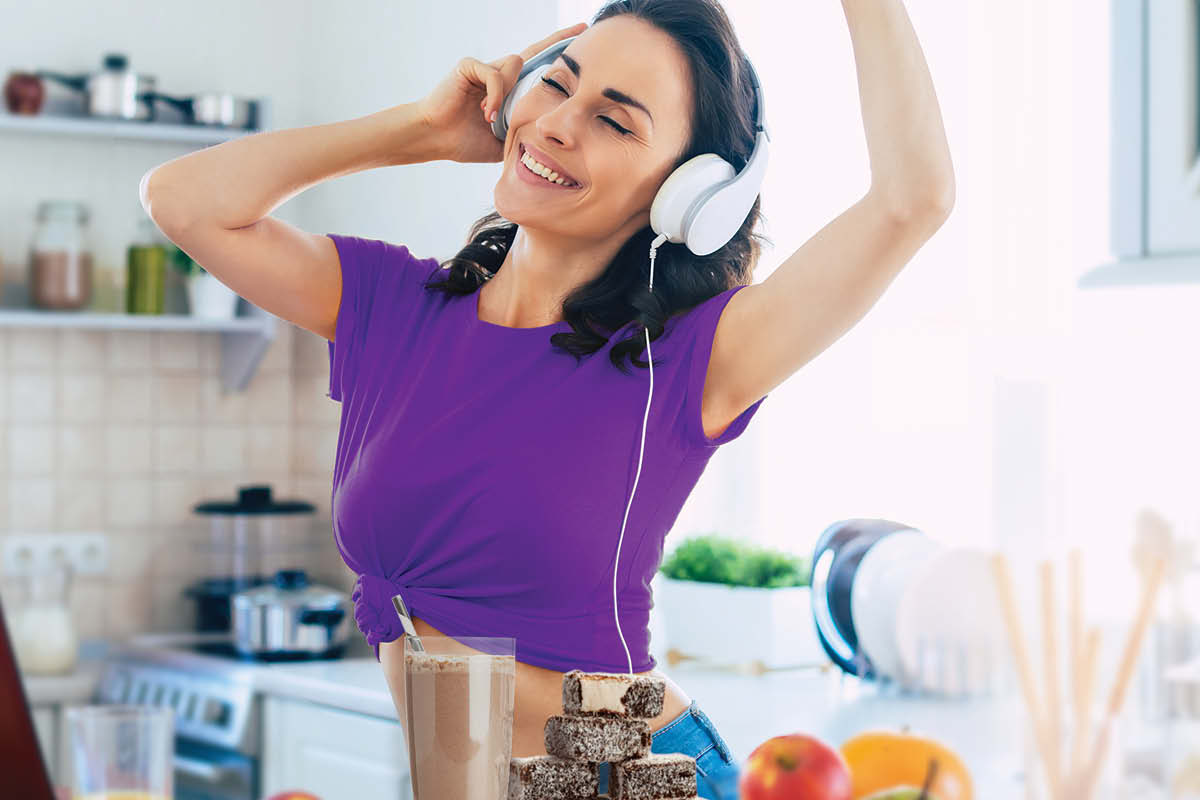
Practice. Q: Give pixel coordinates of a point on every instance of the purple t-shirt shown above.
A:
(483, 474)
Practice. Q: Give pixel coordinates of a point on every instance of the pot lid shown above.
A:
(254, 499)
(290, 588)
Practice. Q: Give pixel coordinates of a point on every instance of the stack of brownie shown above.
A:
(604, 719)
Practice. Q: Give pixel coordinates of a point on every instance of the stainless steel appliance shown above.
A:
(291, 618)
(218, 709)
(250, 538)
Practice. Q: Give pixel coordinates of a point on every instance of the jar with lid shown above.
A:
(60, 267)
(146, 282)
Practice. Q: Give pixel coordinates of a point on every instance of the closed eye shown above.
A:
(623, 131)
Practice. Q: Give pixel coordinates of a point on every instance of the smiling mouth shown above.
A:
(560, 180)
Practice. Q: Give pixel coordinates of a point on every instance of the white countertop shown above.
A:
(988, 734)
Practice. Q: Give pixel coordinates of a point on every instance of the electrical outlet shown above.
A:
(87, 553)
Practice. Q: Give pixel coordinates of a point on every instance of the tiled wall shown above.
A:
(124, 431)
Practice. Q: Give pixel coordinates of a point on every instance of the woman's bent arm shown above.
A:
(214, 203)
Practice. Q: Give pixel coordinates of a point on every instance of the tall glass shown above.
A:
(459, 695)
(121, 752)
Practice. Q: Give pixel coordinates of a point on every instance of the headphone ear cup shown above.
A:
(526, 82)
(674, 208)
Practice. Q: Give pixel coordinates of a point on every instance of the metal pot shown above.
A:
(291, 618)
(213, 108)
(115, 91)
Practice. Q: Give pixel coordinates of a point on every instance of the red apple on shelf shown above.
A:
(23, 92)
(794, 766)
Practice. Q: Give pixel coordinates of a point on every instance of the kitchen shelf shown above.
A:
(1148, 271)
(119, 129)
(244, 339)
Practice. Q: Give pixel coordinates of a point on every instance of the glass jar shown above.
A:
(146, 282)
(60, 265)
(43, 631)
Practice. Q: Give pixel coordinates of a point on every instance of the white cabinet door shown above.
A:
(334, 754)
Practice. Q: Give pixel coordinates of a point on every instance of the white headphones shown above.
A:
(704, 201)
(702, 204)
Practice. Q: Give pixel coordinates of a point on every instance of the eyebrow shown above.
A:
(610, 93)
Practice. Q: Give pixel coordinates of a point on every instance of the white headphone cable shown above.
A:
(641, 449)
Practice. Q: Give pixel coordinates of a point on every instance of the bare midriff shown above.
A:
(538, 695)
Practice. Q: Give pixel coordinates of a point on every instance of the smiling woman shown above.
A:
(617, 125)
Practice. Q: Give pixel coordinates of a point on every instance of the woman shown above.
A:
(481, 471)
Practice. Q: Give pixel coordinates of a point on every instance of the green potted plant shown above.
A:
(207, 296)
(726, 601)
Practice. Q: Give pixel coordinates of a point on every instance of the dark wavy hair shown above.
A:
(723, 123)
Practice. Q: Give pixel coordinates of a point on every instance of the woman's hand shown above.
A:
(458, 110)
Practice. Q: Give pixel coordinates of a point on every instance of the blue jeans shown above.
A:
(693, 733)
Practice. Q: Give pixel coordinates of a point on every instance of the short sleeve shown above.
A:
(694, 332)
(378, 280)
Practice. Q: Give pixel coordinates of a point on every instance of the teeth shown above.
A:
(544, 171)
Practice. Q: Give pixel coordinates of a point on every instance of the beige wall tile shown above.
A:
(175, 350)
(81, 504)
(176, 449)
(223, 448)
(279, 353)
(129, 449)
(130, 502)
(82, 349)
(269, 447)
(169, 609)
(31, 449)
(178, 397)
(30, 395)
(270, 397)
(30, 504)
(129, 350)
(315, 490)
(83, 396)
(89, 606)
(311, 401)
(310, 353)
(131, 397)
(174, 498)
(217, 405)
(210, 353)
(130, 607)
(82, 450)
(32, 347)
(314, 450)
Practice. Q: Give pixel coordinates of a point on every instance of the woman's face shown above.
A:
(576, 127)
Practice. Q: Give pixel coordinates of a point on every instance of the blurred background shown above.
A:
(1027, 384)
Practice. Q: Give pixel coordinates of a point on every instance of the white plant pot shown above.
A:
(724, 624)
(209, 298)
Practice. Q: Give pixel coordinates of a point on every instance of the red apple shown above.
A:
(795, 766)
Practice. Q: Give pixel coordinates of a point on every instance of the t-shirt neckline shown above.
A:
(473, 313)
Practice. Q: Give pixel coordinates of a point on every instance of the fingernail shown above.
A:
(493, 117)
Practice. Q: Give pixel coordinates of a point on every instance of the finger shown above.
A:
(537, 47)
(494, 82)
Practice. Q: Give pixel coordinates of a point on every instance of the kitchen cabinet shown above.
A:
(332, 753)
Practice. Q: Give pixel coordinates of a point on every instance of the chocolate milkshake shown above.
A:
(460, 718)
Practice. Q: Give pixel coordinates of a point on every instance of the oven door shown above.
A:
(204, 772)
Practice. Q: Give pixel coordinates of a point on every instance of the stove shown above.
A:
(218, 713)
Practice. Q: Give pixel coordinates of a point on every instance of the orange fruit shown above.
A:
(883, 759)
